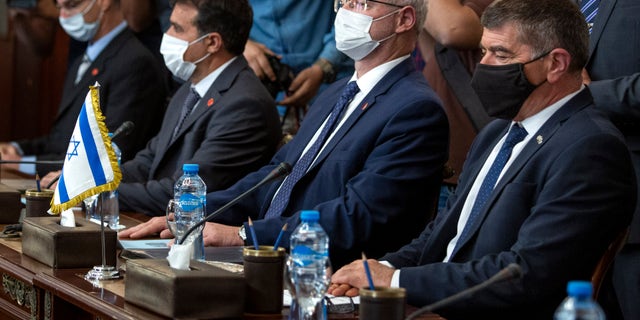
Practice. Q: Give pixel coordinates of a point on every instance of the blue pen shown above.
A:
(275, 245)
(38, 183)
(253, 235)
(367, 271)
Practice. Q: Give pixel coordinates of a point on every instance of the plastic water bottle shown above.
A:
(310, 268)
(579, 305)
(190, 192)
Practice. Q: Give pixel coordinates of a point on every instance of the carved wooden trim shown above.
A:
(24, 295)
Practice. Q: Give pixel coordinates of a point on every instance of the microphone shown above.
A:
(281, 171)
(512, 271)
(124, 129)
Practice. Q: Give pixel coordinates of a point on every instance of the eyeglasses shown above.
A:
(359, 5)
(72, 5)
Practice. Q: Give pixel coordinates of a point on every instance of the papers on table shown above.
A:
(144, 244)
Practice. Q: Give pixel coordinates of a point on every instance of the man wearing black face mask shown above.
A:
(548, 186)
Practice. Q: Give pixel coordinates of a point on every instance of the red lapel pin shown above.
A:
(364, 106)
(210, 102)
(94, 72)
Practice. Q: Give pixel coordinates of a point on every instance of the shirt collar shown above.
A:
(203, 85)
(535, 122)
(94, 49)
(371, 78)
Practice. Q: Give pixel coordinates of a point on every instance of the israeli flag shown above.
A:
(90, 166)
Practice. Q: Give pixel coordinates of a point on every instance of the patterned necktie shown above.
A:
(187, 107)
(589, 9)
(82, 68)
(300, 168)
(515, 135)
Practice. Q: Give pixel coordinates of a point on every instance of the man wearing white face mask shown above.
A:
(368, 156)
(131, 79)
(221, 118)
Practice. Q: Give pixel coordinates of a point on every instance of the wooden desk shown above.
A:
(32, 290)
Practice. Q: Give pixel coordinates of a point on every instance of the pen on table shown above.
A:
(253, 235)
(275, 245)
(38, 183)
(367, 272)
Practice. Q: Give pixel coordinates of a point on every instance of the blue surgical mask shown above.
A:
(77, 28)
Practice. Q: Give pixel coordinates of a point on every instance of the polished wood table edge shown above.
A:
(69, 285)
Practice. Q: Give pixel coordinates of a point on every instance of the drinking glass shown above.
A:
(308, 285)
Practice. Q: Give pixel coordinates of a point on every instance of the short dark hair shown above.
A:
(544, 25)
(232, 19)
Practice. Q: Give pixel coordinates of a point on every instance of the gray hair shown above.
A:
(420, 6)
(544, 25)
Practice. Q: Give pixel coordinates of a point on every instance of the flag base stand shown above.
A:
(102, 273)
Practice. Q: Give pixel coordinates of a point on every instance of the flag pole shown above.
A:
(104, 271)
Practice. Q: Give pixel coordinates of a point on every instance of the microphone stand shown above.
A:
(511, 271)
(104, 271)
(281, 171)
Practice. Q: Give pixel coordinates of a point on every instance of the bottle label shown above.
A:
(189, 202)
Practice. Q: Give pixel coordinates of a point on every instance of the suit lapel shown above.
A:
(367, 103)
(604, 12)
(210, 101)
(538, 140)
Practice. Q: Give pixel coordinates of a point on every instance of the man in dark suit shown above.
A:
(614, 71)
(131, 80)
(231, 130)
(376, 179)
(551, 202)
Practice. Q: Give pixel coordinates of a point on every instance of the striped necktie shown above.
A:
(515, 135)
(281, 199)
(589, 9)
(187, 107)
(82, 68)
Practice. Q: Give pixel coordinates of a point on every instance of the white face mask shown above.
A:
(77, 28)
(173, 50)
(352, 33)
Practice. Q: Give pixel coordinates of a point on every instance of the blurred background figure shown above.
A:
(300, 35)
(449, 46)
(131, 79)
(613, 76)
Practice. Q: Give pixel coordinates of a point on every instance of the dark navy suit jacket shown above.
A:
(555, 210)
(614, 68)
(376, 181)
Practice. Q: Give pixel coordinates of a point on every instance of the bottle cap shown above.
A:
(309, 215)
(190, 167)
(579, 288)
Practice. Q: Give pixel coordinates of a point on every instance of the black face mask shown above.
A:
(502, 89)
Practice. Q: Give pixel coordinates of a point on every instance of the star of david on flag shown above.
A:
(90, 166)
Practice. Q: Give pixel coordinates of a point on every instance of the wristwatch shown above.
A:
(328, 74)
(242, 234)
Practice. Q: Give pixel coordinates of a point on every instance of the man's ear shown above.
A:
(214, 42)
(559, 60)
(407, 19)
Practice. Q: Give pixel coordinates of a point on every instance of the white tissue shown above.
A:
(67, 218)
(180, 255)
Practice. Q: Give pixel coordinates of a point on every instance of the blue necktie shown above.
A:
(515, 135)
(187, 107)
(589, 9)
(300, 168)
